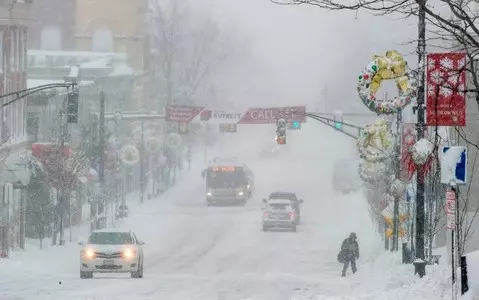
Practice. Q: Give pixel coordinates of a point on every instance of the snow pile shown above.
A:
(383, 278)
(450, 159)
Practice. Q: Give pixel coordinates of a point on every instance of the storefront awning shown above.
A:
(18, 166)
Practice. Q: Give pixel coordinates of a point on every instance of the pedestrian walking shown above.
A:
(349, 253)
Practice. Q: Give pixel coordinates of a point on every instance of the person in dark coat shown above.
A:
(349, 253)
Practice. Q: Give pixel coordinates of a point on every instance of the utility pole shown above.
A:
(61, 190)
(419, 262)
(397, 162)
(101, 171)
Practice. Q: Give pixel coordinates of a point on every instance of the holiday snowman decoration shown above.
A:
(392, 66)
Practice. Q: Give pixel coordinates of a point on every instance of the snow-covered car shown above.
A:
(279, 214)
(290, 196)
(111, 251)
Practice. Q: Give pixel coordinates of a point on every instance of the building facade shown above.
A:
(49, 29)
(13, 53)
(119, 31)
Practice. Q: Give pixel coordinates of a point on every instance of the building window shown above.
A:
(102, 40)
(51, 38)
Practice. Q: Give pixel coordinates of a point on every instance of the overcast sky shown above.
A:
(302, 49)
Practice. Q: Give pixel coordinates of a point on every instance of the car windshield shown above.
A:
(221, 179)
(279, 206)
(110, 238)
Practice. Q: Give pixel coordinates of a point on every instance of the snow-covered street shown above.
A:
(197, 252)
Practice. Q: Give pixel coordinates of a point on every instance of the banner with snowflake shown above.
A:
(446, 83)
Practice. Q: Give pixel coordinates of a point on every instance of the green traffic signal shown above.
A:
(338, 125)
(296, 124)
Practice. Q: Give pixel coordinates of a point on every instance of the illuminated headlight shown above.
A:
(89, 253)
(240, 194)
(209, 194)
(248, 186)
(129, 253)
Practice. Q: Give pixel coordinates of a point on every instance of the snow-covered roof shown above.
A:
(122, 70)
(279, 201)
(102, 63)
(117, 230)
(32, 83)
(77, 54)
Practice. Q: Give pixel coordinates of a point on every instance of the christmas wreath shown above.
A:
(372, 172)
(391, 66)
(375, 142)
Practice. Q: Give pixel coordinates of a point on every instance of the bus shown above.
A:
(228, 184)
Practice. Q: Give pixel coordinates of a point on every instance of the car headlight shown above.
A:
(89, 253)
(129, 253)
(240, 194)
(209, 194)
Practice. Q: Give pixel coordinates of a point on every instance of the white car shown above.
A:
(111, 251)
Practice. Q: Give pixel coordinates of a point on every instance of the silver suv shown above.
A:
(279, 214)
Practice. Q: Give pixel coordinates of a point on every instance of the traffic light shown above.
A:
(72, 107)
(281, 132)
(338, 120)
(295, 125)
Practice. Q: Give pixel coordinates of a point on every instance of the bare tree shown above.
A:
(186, 49)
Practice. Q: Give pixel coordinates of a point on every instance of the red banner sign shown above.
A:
(446, 82)
(269, 115)
(182, 113)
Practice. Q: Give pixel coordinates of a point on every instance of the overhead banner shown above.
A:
(183, 114)
(269, 115)
(446, 83)
(218, 116)
(258, 115)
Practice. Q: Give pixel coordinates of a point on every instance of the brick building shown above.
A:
(52, 29)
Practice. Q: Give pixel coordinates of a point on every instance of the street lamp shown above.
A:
(117, 117)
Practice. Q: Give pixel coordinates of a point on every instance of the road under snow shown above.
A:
(196, 252)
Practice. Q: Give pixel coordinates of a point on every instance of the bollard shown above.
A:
(464, 279)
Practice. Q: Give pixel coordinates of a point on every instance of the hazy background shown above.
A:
(299, 50)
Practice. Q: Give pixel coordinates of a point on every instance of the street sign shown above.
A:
(450, 203)
(451, 221)
(454, 165)
(228, 128)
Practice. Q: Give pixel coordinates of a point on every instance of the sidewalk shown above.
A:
(133, 201)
